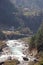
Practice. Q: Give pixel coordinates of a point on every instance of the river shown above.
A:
(17, 49)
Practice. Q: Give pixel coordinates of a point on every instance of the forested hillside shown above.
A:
(37, 39)
(10, 16)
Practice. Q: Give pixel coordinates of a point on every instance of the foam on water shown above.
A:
(16, 48)
(16, 51)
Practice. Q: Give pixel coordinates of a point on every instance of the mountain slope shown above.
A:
(37, 39)
(10, 16)
(33, 4)
(6, 13)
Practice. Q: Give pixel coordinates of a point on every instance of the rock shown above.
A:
(25, 59)
(1, 63)
(35, 60)
(18, 62)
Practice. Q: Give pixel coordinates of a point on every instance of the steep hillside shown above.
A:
(37, 39)
(11, 16)
(6, 13)
(31, 4)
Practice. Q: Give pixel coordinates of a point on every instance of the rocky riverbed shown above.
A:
(16, 49)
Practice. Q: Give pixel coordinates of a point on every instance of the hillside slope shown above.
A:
(6, 13)
(31, 4)
(37, 39)
(10, 16)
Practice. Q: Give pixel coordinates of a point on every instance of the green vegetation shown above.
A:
(37, 40)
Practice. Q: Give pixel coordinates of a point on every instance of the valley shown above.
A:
(21, 32)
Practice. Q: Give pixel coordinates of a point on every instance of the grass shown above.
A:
(12, 62)
(26, 39)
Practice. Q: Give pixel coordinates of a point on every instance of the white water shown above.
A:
(16, 48)
(16, 51)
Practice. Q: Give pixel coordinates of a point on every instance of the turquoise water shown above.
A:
(16, 48)
(16, 51)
